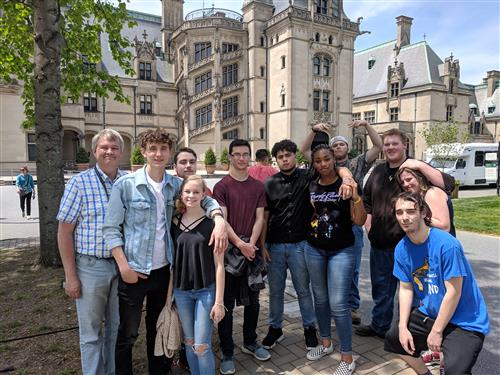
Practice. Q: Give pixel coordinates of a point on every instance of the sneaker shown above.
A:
(319, 352)
(274, 336)
(23, 214)
(345, 368)
(28, 217)
(355, 317)
(311, 337)
(257, 351)
(227, 365)
(367, 330)
(430, 358)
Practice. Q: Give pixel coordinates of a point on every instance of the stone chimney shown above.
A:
(491, 78)
(404, 28)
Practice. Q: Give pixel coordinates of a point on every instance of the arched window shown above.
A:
(316, 65)
(330, 39)
(326, 66)
(316, 37)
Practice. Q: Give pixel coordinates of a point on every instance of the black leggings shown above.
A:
(26, 198)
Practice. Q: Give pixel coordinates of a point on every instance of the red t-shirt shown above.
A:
(241, 198)
(261, 172)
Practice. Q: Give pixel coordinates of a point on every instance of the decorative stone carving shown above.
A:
(202, 95)
(234, 86)
(200, 63)
(231, 121)
(202, 129)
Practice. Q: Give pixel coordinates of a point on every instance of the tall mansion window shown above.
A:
(394, 89)
(202, 51)
(229, 47)
(394, 114)
(230, 107)
(203, 116)
(145, 71)
(203, 82)
(322, 6)
(229, 74)
(321, 101)
(146, 105)
(90, 102)
(321, 66)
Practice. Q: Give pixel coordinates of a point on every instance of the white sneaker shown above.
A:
(28, 217)
(345, 368)
(319, 352)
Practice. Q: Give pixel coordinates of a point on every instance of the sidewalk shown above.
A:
(289, 356)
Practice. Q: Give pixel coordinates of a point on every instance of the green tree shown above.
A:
(137, 158)
(300, 158)
(210, 158)
(50, 46)
(443, 138)
(224, 156)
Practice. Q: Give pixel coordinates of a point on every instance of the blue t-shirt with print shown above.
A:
(428, 265)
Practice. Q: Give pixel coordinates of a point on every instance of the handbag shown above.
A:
(168, 327)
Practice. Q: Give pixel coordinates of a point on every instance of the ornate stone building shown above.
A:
(213, 76)
(263, 75)
(405, 85)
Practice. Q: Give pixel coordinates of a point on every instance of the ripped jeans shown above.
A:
(194, 308)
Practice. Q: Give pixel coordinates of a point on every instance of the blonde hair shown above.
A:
(179, 204)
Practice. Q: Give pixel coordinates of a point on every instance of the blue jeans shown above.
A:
(98, 302)
(283, 256)
(354, 299)
(331, 277)
(194, 308)
(384, 286)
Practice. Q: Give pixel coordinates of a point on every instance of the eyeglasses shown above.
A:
(237, 155)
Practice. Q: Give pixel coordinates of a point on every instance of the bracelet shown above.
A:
(357, 200)
(217, 214)
(221, 305)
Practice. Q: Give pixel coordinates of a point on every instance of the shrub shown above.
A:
(136, 158)
(224, 157)
(82, 156)
(210, 158)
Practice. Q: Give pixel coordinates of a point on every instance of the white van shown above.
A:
(473, 164)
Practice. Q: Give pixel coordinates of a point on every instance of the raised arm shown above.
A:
(435, 177)
(305, 148)
(373, 152)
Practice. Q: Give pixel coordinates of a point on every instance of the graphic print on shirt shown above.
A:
(324, 223)
(423, 275)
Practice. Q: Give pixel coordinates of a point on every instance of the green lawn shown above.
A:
(480, 215)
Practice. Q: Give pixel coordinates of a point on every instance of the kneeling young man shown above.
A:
(452, 317)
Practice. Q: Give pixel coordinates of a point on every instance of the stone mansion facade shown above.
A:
(266, 74)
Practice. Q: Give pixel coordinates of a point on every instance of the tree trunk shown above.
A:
(48, 127)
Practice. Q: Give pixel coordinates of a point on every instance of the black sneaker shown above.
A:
(311, 337)
(367, 330)
(274, 335)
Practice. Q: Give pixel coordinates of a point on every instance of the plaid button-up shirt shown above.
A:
(84, 204)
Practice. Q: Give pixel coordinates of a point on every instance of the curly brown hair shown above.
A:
(157, 135)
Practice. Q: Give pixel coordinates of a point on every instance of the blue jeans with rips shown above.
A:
(331, 276)
(291, 256)
(354, 299)
(194, 308)
(384, 286)
(98, 303)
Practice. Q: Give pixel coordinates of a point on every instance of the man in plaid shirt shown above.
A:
(91, 274)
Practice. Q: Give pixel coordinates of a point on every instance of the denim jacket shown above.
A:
(130, 220)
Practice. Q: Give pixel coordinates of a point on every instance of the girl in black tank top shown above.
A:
(198, 276)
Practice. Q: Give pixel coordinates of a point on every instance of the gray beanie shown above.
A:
(338, 138)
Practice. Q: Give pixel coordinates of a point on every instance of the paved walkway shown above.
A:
(289, 356)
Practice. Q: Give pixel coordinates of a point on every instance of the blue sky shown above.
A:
(470, 29)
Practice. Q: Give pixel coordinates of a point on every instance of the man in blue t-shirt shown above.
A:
(452, 317)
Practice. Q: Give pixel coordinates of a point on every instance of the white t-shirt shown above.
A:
(159, 253)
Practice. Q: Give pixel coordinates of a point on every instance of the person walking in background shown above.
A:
(198, 276)
(261, 170)
(330, 256)
(89, 268)
(25, 188)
